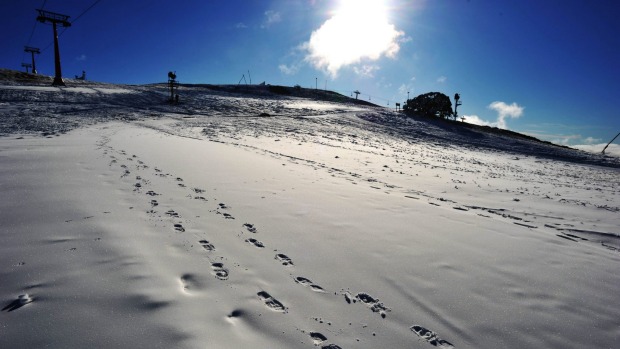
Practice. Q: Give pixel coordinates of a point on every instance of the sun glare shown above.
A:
(357, 30)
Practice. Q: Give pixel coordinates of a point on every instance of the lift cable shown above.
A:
(84, 12)
(76, 18)
(32, 32)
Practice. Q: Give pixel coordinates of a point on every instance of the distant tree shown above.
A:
(432, 104)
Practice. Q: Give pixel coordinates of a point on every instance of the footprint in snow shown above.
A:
(271, 302)
(15, 304)
(219, 271)
(318, 338)
(306, 282)
(172, 213)
(430, 337)
(373, 303)
(250, 227)
(207, 245)
(255, 242)
(284, 259)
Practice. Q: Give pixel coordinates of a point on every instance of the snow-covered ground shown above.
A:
(128, 222)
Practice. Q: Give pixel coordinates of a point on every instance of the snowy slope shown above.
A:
(134, 223)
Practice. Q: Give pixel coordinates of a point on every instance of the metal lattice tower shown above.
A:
(32, 51)
(55, 18)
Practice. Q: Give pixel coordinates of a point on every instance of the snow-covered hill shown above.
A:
(33, 106)
(250, 217)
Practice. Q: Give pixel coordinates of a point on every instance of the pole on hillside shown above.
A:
(242, 79)
(603, 152)
(32, 51)
(457, 102)
(26, 65)
(55, 18)
(173, 83)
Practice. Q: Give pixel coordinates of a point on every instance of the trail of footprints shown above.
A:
(189, 281)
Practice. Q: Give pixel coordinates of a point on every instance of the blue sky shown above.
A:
(546, 68)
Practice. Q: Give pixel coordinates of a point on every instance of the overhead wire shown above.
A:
(84, 12)
(32, 32)
(368, 97)
(75, 20)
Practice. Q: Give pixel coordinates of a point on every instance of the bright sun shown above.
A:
(357, 30)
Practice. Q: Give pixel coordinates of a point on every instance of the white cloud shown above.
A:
(405, 39)
(240, 25)
(271, 18)
(289, 69)
(358, 30)
(81, 58)
(366, 71)
(442, 79)
(564, 139)
(569, 139)
(591, 140)
(476, 120)
(572, 138)
(504, 111)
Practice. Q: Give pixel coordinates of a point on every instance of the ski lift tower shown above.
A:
(55, 18)
(32, 51)
(26, 65)
(356, 93)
